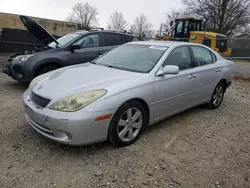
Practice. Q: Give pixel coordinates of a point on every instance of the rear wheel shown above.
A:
(217, 96)
(127, 124)
(47, 68)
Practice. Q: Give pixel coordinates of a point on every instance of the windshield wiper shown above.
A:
(93, 62)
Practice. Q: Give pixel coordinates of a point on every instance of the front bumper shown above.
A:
(72, 128)
(16, 71)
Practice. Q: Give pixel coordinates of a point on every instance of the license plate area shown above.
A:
(34, 116)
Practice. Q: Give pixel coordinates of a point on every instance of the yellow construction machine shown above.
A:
(194, 30)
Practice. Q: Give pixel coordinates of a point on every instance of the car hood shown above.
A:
(37, 30)
(75, 79)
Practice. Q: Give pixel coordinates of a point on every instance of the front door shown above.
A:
(91, 49)
(174, 93)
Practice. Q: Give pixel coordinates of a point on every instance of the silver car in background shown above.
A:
(119, 94)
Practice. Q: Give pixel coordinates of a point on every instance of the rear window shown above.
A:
(111, 39)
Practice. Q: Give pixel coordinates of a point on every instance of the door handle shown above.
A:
(218, 70)
(192, 76)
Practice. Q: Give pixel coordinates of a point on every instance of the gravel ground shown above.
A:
(198, 148)
(243, 69)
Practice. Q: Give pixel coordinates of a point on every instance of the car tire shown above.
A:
(47, 68)
(127, 124)
(217, 96)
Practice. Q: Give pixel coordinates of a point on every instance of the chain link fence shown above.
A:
(240, 48)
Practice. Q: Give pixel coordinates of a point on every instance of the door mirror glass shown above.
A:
(168, 69)
(75, 47)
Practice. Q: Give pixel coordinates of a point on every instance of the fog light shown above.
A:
(19, 75)
(68, 135)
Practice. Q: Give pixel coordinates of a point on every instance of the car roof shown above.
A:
(105, 31)
(158, 43)
(81, 31)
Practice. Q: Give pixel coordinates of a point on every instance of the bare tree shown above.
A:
(142, 27)
(225, 16)
(85, 15)
(171, 16)
(245, 31)
(116, 21)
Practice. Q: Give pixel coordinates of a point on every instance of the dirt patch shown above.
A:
(198, 148)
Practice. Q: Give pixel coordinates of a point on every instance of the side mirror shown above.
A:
(75, 47)
(168, 69)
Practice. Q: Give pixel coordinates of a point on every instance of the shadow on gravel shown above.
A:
(92, 149)
(169, 121)
(15, 85)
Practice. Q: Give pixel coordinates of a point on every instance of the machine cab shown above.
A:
(184, 26)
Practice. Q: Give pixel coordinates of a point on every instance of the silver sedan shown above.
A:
(121, 93)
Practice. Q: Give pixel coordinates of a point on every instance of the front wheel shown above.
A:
(127, 124)
(217, 96)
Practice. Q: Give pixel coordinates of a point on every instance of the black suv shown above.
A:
(70, 49)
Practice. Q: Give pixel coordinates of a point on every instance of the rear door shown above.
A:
(90, 49)
(207, 71)
(111, 41)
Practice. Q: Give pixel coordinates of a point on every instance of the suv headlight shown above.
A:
(24, 57)
(76, 102)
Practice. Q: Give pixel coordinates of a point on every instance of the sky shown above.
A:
(155, 10)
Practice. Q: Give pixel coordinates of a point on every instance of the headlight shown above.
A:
(78, 101)
(24, 57)
(34, 81)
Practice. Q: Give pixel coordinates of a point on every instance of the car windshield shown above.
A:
(131, 57)
(64, 40)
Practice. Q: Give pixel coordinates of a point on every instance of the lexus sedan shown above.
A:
(118, 95)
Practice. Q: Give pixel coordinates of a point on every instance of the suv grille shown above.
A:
(39, 100)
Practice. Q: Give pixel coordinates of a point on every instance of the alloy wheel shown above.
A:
(218, 95)
(130, 124)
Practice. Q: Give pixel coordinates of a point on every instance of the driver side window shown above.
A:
(88, 41)
(180, 57)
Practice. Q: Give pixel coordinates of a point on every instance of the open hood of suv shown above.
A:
(37, 30)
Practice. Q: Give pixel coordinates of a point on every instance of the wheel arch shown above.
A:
(143, 102)
(224, 82)
(47, 64)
